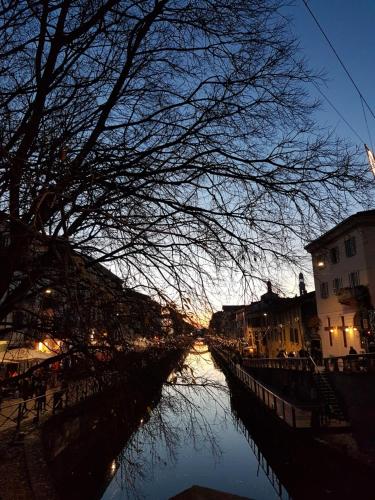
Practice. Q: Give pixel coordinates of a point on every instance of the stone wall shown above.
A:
(357, 393)
(84, 440)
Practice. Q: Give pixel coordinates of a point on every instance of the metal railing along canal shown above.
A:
(297, 418)
(15, 413)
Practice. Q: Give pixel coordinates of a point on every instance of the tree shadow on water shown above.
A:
(192, 411)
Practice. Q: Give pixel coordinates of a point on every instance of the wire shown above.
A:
(338, 112)
(338, 58)
(335, 109)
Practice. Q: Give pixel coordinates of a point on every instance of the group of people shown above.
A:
(302, 353)
(34, 387)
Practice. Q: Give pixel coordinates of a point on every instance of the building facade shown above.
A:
(343, 262)
(71, 299)
(226, 323)
(282, 325)
(273, 325)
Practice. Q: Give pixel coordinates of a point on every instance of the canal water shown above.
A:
(192, 438)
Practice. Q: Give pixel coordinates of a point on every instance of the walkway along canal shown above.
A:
(201, 429)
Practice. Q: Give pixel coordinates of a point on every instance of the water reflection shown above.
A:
(191, 437)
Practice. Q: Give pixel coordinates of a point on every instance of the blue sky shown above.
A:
(350, 25)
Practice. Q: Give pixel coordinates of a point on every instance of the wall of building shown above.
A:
(331, 312)
(282, 329)
(369, 253)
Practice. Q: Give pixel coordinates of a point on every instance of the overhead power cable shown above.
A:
(355, 132)
(339, 58)
(338, 112)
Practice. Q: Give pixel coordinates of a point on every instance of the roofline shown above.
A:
(359, 218)
(229, 307)
(263, 305)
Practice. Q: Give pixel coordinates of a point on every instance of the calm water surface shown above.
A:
(190, 438)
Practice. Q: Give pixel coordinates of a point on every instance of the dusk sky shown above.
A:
(350, 27)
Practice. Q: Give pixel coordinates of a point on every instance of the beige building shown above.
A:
(281, 324)
(344, 272)
(227, 322)
(272, 324)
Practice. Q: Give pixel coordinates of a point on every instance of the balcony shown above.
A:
(353, 296)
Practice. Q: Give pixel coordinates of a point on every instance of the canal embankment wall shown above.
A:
(292, 384)
(25, 466)
(354, 391)
(357, 393)
(83, 441)
(293, 455)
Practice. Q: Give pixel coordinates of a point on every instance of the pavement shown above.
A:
(24, 472)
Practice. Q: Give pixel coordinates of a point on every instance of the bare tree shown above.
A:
(172, 136)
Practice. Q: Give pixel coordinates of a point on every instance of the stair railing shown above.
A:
(326, 414)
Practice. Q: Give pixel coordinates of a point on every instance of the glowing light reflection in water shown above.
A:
(190, 438)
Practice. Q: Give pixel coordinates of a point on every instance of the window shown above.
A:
(350, 247)
(330, 330)
(296, 335)
(336, 285)
(354, 279)
(293, 335)
(324, 290)
(4, 240)
(335, 255)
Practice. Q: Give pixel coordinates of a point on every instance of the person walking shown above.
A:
(37, 393)
(42, 393)
(24, 391)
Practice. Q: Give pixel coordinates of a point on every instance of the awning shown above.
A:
(23, 354)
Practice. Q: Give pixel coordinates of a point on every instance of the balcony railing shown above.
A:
(352, 295)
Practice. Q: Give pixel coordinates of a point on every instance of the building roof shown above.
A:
(91, 263)
(280, 303)
(232, 308)
(363, 218)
